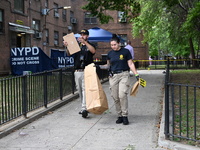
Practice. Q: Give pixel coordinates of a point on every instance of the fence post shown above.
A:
(24, 95)
(167, 101)
(61, 85)
(45, 89)
(73, 81)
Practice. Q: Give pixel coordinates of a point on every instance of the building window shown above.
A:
(124, 39)
(1, 21)
(122, 17)
(47, 36)
(36, 28)
(56, 14)
(64, 35)
(46, 4)
(64, 14)
(36, 25)
(56, 38)
(19, 6)
(89, 19)
(73, 20)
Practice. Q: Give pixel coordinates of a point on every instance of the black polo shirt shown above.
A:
(118, 59)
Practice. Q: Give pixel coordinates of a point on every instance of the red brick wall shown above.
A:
(32, 10)
(141, 50)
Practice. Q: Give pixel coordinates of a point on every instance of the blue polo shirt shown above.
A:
(118, 59)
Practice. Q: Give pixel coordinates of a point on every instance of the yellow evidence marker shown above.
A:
(143, 82)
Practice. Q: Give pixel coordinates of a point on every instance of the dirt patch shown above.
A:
(185, 78)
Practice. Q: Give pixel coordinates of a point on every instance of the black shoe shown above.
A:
(80, 112)
(84, 113)
(125, 120)
(119, 120)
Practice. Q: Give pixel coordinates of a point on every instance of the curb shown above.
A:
(24, 121)
(38, 115)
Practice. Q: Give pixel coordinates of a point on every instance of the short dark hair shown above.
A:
(115, 38)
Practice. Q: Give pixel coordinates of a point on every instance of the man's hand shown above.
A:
(65, 43)
(81, 40)
(137, 76)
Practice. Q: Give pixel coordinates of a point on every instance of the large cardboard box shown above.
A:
(96, 100)
(73, 46)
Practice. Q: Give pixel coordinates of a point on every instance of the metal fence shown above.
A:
(22, 94)
(182, 110)
(162, 64)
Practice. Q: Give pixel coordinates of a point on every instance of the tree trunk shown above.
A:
(194, 63)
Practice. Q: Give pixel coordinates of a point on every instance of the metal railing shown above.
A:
(22, 94)
(181, 110)
(162, 64)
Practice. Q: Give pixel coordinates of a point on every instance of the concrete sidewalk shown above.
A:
(65, 129)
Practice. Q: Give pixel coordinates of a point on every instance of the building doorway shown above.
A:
(19, 40)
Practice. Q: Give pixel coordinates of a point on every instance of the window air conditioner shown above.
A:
(123, 20)
(73, 20)
(57, 15)
(56, 43)
(69, 27)
(38, 35)
(44, 11)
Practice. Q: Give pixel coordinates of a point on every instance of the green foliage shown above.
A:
(99, 8)
(170, 27)
(192, 23)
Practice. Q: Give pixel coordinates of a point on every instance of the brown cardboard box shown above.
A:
(73, 46)
(96, 100)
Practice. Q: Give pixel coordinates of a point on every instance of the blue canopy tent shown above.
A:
(99, 35)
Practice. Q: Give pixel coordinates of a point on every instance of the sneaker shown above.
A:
(119, 120)
(84, 113)
(125, 120)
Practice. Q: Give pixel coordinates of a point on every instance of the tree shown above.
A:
(98, 8)
(168, 26)
(187, 16)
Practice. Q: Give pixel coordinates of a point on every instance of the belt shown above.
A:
(119, 71)
(79, 70)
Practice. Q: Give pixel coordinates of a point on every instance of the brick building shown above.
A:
(118, 26)
(37, 23)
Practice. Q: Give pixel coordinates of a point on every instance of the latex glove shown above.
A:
(137, 76)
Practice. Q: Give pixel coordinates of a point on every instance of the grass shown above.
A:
(186, 105)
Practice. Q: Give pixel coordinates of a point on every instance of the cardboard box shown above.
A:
(73, 46)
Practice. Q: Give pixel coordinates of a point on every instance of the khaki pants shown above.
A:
(119, 85)
(80, 86)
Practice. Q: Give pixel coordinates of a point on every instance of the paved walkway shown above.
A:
(65, 129)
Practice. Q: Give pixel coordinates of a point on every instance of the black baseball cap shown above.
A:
(84, 31)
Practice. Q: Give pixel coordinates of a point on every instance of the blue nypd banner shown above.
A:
(61, 59)
(30, 59)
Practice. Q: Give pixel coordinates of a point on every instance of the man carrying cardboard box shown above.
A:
(82, 58)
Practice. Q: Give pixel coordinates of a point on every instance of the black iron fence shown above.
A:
(182, 110)
(22, 94)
